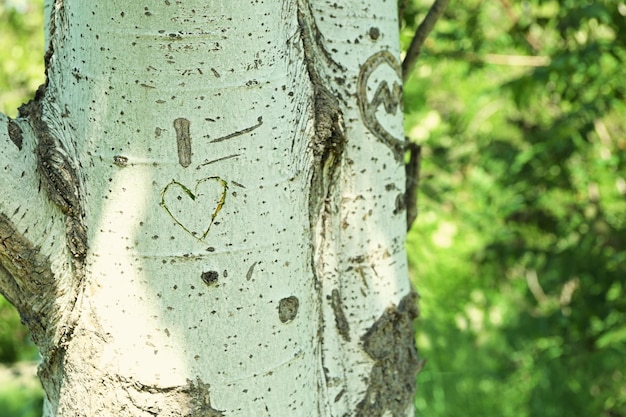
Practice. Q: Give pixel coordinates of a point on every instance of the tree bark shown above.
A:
(203, 211)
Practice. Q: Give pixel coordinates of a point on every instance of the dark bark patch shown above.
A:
(330, 139)
(58, 176)
(288, 308)
(27, 282)
(15, 133)
(210, 278)
(374, 33)
(120, 161)
(343, 327)
(391, 343)
(190, 400)
(251, 271)
(201, 400)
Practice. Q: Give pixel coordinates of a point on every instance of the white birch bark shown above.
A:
(202, 211)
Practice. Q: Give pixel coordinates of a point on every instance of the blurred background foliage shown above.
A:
(519, 250)
(21, 52)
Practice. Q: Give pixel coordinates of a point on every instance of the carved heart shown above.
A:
(385, 99)
(195, 210)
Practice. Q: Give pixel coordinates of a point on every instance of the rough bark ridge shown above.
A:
(327, 148)
(58, 177)
(330, 138)
(26, 278)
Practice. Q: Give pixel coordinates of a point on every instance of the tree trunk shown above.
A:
(202, 210)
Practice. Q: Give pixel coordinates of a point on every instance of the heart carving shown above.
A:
(387, 99)
(195, 210)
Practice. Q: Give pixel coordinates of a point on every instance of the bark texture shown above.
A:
(201, 213)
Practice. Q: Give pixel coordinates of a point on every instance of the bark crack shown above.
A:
(327, 148)
(330, 139)
(341, 322)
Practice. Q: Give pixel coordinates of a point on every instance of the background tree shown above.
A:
(203, 211)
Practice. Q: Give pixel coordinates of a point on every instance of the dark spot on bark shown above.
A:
(251, 271)
(338, 396)
(288, 308)
(120, 161)
(400, 204)
(391, 343)
(201, 400)
(210, 278)
(15, 133)
(374, 33)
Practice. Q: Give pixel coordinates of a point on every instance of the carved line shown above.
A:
(239, 132)
(218, 160)
(183, 141)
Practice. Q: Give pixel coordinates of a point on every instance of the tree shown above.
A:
(203, 211)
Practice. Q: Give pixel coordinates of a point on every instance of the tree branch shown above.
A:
(422, 32)
(29, 232)
(412, 170)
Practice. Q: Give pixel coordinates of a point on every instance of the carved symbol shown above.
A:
(189, 208)
(390, 98)
(183, 141)
(240, 132)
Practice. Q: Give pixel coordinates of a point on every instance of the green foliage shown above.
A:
(21, 52)
(519, 252)
(15, 344)
(20, 399)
